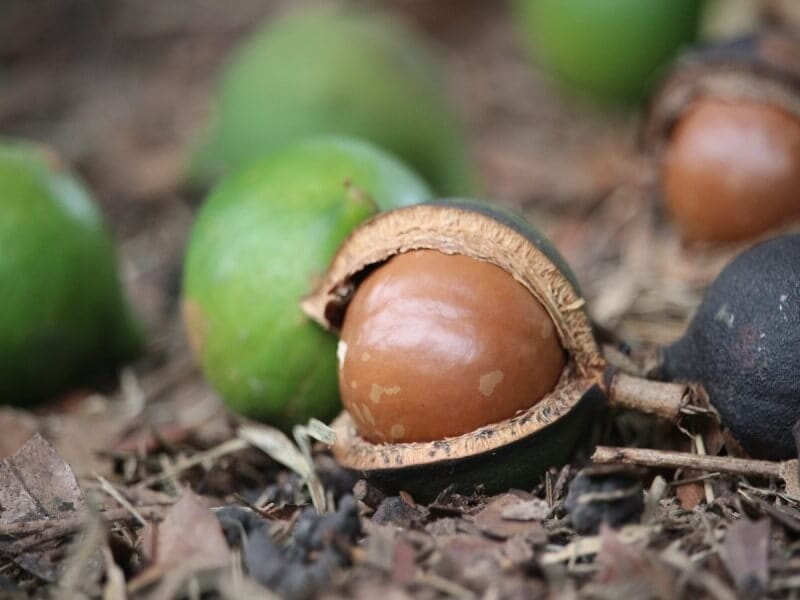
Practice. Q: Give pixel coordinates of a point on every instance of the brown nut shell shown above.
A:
(436, 345)
(541, 436)
(732, 170)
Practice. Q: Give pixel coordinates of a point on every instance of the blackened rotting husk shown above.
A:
(604, 494)
(300, 567)
(743, 345)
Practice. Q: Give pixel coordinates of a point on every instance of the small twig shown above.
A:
(700, 446)
(705, 579)
(228, 447)
(109, 489)
(296, 457)
(780, 584)
(665, 400)
(654, 496)
(786, 471)
(588, 545)
(115, 578)
(646, 457)
(698, 479)
(440, 584)
(39, 531)
(77, 566)
(170, 483)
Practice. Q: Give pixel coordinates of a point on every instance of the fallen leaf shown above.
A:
(493, 522)
(379, 545)
(528, 510)
(517, 550)
(464, 550)
(690, 495)
(745, 555)
(625, 571)
(189, 542)
(404, 562)
(190, 532)
(36, 485)
(93, 423)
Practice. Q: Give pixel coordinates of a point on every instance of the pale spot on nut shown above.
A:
(368, 414)
(376, 391)
(397, 431)
(357, 412)
(365, 356)
(489, 381)
(354, 384)
(341, 352)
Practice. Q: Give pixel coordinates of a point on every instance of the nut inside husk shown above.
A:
(435, 345)
(480, 232)
(726, 128)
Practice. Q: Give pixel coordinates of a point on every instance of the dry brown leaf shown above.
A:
(190, 532)
(690, 494)
(404, 562)
(745, 555)
(36, 484)
(92, 423)
(627, 572)
(464, 550)
(189, 542)
(492, 520)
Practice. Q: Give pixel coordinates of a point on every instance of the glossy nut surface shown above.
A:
(437, 345)
(732, 170)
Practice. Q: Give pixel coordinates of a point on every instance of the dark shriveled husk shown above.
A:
(764, 68)
(743, 345)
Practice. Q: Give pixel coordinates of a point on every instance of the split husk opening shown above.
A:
(542, 436)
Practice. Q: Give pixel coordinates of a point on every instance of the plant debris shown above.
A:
(36, 485)
(600, 495)
(238, 510)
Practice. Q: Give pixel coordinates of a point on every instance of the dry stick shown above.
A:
(676, 460)
(666, 400)
(44, 530)
(787, 471)
(228, 447)
(109, 489)
(700, 446)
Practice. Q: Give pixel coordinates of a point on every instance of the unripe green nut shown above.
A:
(610, 48)
(259, 244)
(62, 312)
(337, 71)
